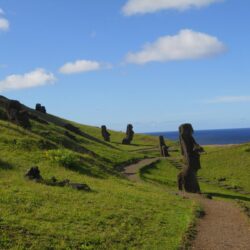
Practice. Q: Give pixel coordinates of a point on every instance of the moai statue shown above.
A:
(191, 154)
(129, 135)
(40, 108)
(105, 133)
(163, 147)
(17, 114)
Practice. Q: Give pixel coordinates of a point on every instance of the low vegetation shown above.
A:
(117, 213)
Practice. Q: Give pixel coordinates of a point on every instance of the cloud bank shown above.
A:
(229, 99)
(80, 66)
(187, 44)
(4, 23)
(35, 78)
(133, 7)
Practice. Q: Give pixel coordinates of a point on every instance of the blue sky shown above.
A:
(153, 63)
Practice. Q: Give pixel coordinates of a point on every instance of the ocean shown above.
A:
(213, 137)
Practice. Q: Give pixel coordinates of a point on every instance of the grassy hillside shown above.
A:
(116, 214)
(225, 173)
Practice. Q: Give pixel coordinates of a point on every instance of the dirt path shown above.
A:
(224, 226)
(132, 171)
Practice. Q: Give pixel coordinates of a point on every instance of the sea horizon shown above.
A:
(212, 136)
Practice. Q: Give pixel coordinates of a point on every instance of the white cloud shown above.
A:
(229, 99)
(187, 44)
(80, 66)
(35, 78)
(4, 23)
(133, 7)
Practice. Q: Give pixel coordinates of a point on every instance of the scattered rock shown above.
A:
(222, 179)
(34, 174)
(207, 196)
(79, 186)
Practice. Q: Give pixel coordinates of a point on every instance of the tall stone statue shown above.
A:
(191, 151)
(129, 135)
(17, 114)
(163, 147)
(105, 133)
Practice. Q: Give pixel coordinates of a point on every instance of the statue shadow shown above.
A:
(5, 165)
(230, 197)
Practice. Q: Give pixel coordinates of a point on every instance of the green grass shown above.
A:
(116, 214)
(229, 163)
(165, 173)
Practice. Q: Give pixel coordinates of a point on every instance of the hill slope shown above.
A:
(116, 214)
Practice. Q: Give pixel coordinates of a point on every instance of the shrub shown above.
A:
(65, 158)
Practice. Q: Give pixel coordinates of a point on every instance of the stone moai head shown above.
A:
(105, 133)
(129, 128)
(129, 135)
(43, 110)
(38, 107)
(186, 130)
(161, 140)
(163, 147)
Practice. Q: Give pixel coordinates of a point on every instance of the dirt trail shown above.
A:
(224, 226)
(131, 171)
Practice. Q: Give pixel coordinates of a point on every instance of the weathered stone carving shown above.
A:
(41, 108)
(190, 150)
(163, 147)
(17, 114)
(129, 135)
(105, 134)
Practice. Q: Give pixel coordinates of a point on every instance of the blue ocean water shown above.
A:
(213, 137)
